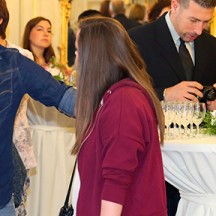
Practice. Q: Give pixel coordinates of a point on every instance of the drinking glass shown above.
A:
(185, 113)
(176, 126)
(168, 111)
(198, 116)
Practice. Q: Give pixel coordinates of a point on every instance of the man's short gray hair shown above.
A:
(117, 6)
(202, 3)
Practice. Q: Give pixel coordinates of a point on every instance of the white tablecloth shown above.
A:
(190, 165)
(53, 136)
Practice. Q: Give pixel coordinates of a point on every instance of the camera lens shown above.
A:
(209, 93)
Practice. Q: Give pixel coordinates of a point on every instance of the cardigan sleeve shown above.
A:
(124, 134)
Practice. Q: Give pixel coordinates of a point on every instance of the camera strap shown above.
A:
(66, 203)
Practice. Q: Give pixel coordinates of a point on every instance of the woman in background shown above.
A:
(119, 157)
(158, 9)
(38, 39)
(52, 132)
(104, 8)
(137, 12)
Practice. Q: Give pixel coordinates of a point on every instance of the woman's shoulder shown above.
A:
(127, 88)
(22, 51)
(126, 93)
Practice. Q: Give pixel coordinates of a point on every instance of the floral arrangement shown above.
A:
(59, 71)
(209, 123)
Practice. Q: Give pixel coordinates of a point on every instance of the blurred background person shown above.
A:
(104, 8)
(52, 132)
(137, 12)
(158, 9)
(71, 45)
(117, 11)
(89, 13)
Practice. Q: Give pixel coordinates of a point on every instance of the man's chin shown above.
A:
(190, 38)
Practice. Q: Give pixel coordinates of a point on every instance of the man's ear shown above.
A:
(174, 4)
(1, 20)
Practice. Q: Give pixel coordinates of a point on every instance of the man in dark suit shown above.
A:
(159, 43)
(117, 11)
(71, 46)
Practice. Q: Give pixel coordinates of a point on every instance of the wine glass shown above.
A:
(168, 111)
(176, 120)
(185, 113)
(199, 114)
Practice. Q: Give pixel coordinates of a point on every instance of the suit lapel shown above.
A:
(167, 48)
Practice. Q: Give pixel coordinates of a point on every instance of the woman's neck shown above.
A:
(39, 53)
(41, 61)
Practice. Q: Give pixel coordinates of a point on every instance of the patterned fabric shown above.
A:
(21, 211)
(22, 136)
(19, 176)
(23, 154)
(24, 159)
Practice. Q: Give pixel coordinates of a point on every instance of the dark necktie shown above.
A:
(186, 60)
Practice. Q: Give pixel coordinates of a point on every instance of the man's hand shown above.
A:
(184, 91)
(211, 105)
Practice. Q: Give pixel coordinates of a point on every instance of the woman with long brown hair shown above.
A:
(49, 128)
(118, 115)
(37, 38)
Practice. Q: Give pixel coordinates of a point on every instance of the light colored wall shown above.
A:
(21, 11)
(79, 6)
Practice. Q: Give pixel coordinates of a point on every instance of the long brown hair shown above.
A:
(49, 51)
(106, 55)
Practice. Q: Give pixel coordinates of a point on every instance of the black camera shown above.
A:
(209, 94)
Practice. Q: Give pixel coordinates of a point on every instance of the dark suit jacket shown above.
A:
(162, 59)
(127, 23)
(71, 47)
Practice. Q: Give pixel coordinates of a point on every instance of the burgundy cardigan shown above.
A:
(121, 161)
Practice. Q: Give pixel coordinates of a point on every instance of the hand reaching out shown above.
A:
(184, 91)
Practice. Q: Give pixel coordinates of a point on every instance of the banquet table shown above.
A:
(190, 166)
(53, 136)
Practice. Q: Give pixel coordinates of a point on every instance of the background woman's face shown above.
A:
(41, 35)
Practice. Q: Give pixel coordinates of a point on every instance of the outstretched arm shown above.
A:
(67, 103)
